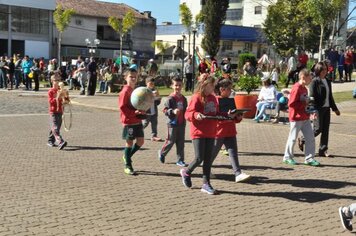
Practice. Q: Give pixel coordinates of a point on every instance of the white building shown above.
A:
(90, 21)
(25, 27)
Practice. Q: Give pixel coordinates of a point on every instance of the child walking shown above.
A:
(202, 131)
(55, 101)
(174, 108)
(226, 133)
(152, 113)
(299, 121)
(133, 128)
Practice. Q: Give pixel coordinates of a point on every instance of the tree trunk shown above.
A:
(120, 67)
(59, 48)
(321, 41)
(188, 44)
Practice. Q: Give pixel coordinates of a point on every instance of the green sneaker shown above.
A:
(129, 170)
(313, 162)
(290, 161)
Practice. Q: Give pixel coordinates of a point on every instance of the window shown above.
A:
(105, 32)
(234, 14)
(30, 20)
(258, 10)
(78, 21)
(235, 1)
(248, 47)
(4, 18)
(226, 45)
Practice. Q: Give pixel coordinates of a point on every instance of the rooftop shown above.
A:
(100, 9)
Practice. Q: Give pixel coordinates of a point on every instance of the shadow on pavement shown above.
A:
(244, 167)
(76, 148)
(309, 197)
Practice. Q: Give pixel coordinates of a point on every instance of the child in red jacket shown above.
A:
(133, 128)
(55, 101)
(202, 131)
(226, 132)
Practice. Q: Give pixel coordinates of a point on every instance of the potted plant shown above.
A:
(247, 84)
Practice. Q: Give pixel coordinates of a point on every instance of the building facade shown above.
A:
(90, 22)
(25, 27)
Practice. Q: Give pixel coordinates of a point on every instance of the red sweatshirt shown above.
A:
(297, 107)
(226, 128)
(127, 111)
(205, 128)
(52, 101)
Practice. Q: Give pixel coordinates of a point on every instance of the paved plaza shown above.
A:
(82, 190)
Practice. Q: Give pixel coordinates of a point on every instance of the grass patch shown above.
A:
(343, 96)
(164, 91)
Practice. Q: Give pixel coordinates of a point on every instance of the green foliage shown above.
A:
(162, 47)
(214, 13)
(243, 57)
(248, 83)
(287, 26)
(62, 17)
(283, 79)
(124, 25)
(186, 16)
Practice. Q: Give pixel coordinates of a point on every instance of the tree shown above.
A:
(162, 47)
(122, 27)
(214, 17)
(61, 19)
(287, 26)
(323, 12)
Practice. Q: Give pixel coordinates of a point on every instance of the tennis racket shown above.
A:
(67, 116)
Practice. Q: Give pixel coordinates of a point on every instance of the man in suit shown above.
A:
(320, 92)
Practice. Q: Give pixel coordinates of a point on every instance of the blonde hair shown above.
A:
(201, 85)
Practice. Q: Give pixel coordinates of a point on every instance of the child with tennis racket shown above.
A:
(55, 101)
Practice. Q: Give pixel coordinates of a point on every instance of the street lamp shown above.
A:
(194, 33)
(184, 37)
(92, 45)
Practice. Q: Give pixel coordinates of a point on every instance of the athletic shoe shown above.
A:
(290, 161)
(187, 182)
(207, 188)
(301, 143)
(242, 177)
(181, 163)
(345, 221)
(62, 145)
(50, 144)
(313, 162)
(161, 158)
(325, 154)
(129, 170)
(156, 139)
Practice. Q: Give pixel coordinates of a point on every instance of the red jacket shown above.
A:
(127, 111)
(52, 101)
(205, 128)
(297, 107)
(226, 128)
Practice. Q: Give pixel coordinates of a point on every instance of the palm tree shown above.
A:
(162, 47)
(61, 19)
(122, 27)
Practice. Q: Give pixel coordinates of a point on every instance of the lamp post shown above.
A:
(182, 72)
(194, 79)
(92, 45)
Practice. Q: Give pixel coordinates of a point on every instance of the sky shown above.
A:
(162, 10)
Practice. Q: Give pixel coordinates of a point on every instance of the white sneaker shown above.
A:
(242, 177)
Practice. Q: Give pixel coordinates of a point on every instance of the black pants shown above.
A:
(189, 82)
(91, 83)
(203, 149)
(321, 126)
(37, 82)
(291, 76)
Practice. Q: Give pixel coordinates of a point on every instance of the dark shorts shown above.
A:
(131, 132)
